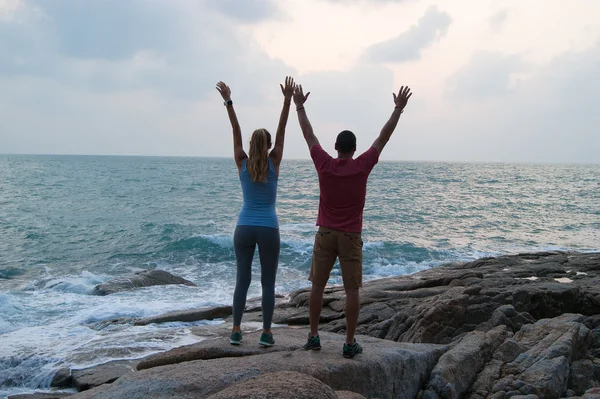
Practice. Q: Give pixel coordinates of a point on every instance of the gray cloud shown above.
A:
(406, 47)
(134, 45)
(487, 75)
(246, 11)
(548, 116)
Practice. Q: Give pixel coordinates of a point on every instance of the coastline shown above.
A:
(493, 313)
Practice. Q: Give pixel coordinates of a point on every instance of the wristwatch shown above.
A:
(228, 103)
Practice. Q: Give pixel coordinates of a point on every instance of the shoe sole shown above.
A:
(316, 348)
(235, 342)
(350, 356)
(266, 344)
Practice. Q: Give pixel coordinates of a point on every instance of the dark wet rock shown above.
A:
(219, 312)
(62, 379)
(146, 278)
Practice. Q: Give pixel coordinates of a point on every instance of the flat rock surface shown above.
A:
(385, 367)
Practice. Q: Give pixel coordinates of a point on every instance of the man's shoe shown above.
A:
(235, 338)
(313, 343)
(266, 340)
(352, 350)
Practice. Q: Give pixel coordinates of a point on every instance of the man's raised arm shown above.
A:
(400, 101)
(307, 130)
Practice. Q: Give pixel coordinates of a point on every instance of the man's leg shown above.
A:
(350, 245)
(315, 305)
(352, 310)
(324, 255)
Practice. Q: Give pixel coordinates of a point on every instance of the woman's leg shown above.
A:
(268, 250)
(244, 244)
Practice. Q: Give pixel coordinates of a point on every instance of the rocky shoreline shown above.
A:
(519, 326)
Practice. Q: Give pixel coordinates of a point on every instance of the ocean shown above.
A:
(68, 223)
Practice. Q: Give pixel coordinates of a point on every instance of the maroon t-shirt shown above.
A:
(343, 184)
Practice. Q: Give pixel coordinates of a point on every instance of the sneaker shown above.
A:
(235, 338)
(352, 350)
(313, 343)
(266, 340)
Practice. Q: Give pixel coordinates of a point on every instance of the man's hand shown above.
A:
(402, 98)
(288, 89)
(224, 90)
(299, 97)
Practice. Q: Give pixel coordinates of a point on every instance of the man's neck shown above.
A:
(345, 156)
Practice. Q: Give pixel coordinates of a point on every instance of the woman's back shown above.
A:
(258, 208)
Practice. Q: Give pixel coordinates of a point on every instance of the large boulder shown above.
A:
(282, 384)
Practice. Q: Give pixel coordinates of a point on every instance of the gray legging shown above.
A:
(245, 240)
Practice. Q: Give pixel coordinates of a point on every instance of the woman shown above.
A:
(257, 222)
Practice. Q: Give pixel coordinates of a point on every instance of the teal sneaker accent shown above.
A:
(235, 338)
(266, 340)
(352, 350)
(313, 343)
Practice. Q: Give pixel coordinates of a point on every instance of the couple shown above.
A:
(343, 186)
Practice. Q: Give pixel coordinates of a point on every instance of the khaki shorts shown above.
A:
(331, 244)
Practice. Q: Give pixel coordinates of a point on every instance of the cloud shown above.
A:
(408, 46)
(498, 20)
(487, 75)
(179, 49)
(249, 11)
(546, 116)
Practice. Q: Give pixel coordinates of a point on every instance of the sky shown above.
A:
(492, 81)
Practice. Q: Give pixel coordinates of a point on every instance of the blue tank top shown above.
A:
(258, 208)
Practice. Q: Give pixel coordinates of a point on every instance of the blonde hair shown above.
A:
(258, 163)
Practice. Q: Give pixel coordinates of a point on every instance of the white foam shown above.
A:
(222, 240)
(532, 278)
(298, 227)
(564, 280)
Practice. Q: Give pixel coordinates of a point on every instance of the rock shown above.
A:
(508, 351)
(581, 376)
(219, 312)
(283, 384)
(349, 395)
(141, 279)
(62, 379)
(103, 374)
(493, 328)
(551, 346)
(448, 379)
(383, 368)
(593, 393)
(56, 395)
(482, 386)
(219, 348)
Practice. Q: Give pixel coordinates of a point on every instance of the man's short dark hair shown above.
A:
(345, 142)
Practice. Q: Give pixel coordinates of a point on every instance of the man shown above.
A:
(343, 186)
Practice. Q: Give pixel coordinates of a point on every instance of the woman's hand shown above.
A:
(288, 89)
